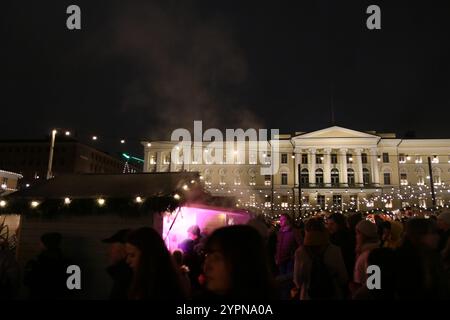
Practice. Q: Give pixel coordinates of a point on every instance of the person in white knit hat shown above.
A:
(366, 240)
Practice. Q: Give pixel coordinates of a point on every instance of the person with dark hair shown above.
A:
(9, 273)
(155, 275)
(46, 275)
(118, 270)
(319, 269)
(341, 237)
(236, 265)
(191, 248)
(420, 271)
(392, 234)
(286, 246)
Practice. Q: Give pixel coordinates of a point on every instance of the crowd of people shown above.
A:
(323, 258)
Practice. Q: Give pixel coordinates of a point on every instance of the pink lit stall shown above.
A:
(176, 224)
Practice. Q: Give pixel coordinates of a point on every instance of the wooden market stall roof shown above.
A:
(108, 185)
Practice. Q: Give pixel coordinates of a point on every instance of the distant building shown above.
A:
(8, 182)
(331, 168)
(30, 159)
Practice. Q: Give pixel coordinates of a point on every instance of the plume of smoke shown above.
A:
(189, 67)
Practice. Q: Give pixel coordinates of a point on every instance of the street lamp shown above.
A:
(52, 147)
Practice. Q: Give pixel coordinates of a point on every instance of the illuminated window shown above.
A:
(321, 201)
(267, 180)
(337, 201)
(403, 179)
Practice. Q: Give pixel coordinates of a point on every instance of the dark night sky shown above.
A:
(143, 68)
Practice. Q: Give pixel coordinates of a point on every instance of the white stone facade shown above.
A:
(338, 167)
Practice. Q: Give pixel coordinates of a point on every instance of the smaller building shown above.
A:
(30, 159)
(8, 182)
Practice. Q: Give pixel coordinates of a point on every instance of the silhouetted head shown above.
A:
(336, 222)
(422, 232)
(155, 274)
(236, 264)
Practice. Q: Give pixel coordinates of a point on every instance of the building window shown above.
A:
(387, 178)
(319, 158)
(422, 203)
(364, 157)
(349, 158)
(284, 158)
(401, 158)
(267, 159)
(305, 158)
(237, 180)
(284, 201)
(319, 176)
(418, 159)
(334, 158)
(321, 201)
(351, 177)
(437, 180)
(252, 159)
(167, 158)
(222, 180)
(334, 177)
(252, 200)
(337, 201)
(304, 177)
(403, 179)
(420, 181)
(435, 159)
(267, 180)
(305, 201)
(366, 176)
(152, 159)
(385, 157)
(284, 179)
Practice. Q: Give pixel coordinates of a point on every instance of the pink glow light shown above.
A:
(208, 219)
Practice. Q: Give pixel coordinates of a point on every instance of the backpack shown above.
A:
(321, 284)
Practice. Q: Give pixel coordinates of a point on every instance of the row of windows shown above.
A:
(319, 158)
(349, 158)
(304, 176)
(402, 158)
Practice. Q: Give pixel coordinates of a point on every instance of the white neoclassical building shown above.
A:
(330, 168)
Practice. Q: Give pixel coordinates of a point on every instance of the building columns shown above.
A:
(312, 165)
(359, 167)
(374, 165)
(327, 166)
(343, 162)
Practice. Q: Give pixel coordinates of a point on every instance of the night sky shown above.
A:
(139, 69)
